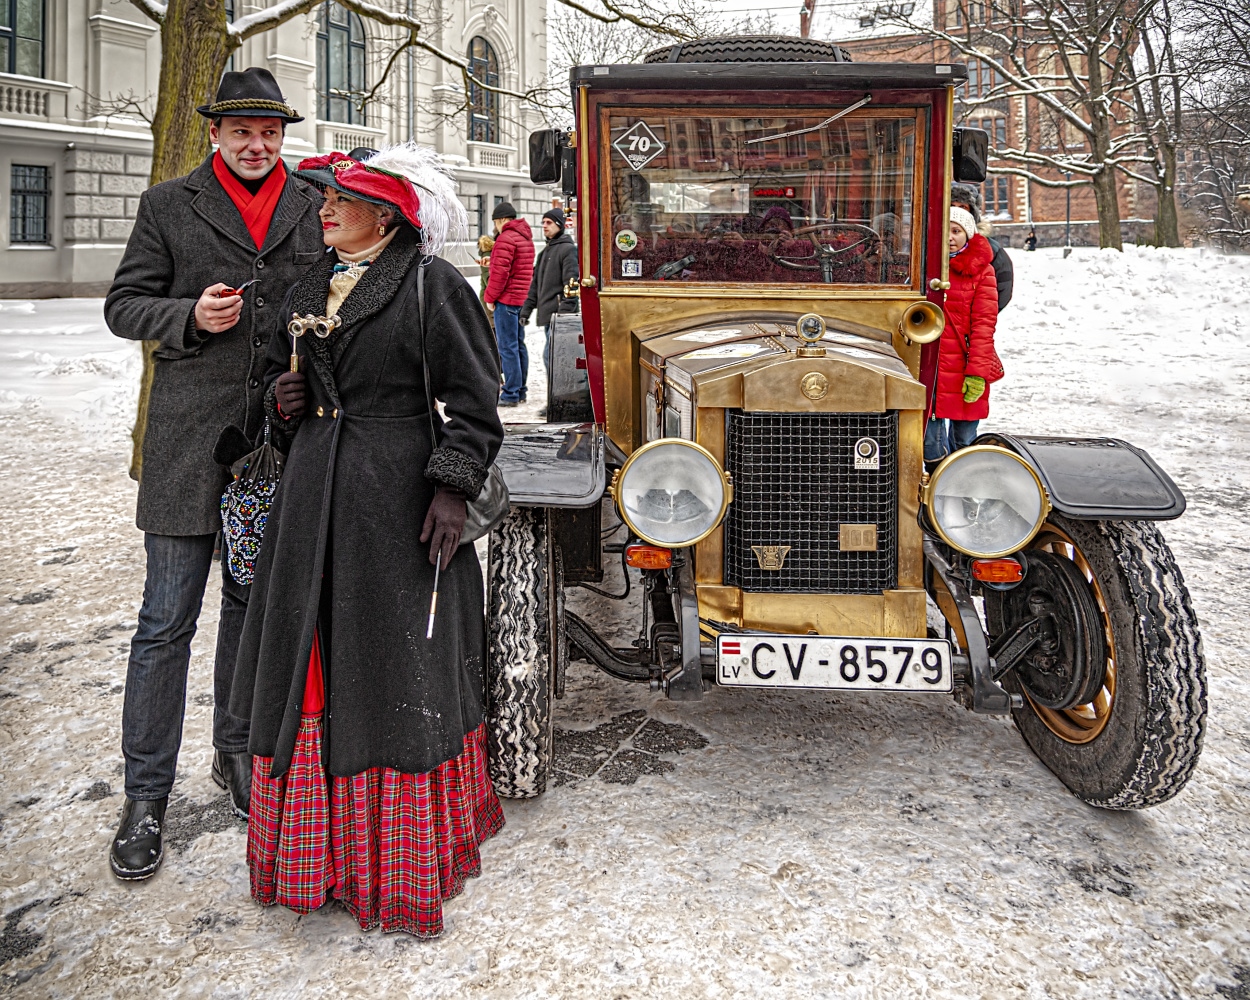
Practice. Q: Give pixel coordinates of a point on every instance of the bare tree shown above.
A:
(1071, 62)
(1216, 135)
(1156, 78)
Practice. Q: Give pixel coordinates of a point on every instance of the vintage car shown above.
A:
(762, 234)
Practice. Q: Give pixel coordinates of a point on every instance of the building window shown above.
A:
(982, 79)
(21, 37)
(996, 129)
(230, 19)
(483, 103)
(28, 204)
(340, 64)
(996, 196)
(476, 206)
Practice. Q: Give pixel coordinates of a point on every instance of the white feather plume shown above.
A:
(442, 215)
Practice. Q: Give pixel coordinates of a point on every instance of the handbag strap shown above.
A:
(425, 367)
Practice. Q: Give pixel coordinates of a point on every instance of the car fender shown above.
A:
(1102, 479)
(553, 465)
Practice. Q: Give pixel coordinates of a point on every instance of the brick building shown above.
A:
(1013, 204)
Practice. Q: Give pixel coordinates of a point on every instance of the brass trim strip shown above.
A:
(648, 366)
(583, 169)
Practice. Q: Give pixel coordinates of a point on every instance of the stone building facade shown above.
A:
(75, 92)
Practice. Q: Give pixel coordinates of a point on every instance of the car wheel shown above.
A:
(519, 673)
(1114, 692)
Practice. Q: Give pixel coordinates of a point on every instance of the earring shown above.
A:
(381, 230)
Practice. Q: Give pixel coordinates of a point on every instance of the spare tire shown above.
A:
(749, 48)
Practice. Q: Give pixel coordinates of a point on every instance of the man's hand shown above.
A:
(214, 314)
(444, 524)
(289, 393)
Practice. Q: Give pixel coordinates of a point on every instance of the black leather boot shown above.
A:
(137, 849)
(233, 772)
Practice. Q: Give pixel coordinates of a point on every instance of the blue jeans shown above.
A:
(160, 652)
(512, 354)
(939, 442)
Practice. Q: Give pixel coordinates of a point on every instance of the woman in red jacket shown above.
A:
(967, 362)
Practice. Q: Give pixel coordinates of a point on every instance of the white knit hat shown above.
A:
(964, 220)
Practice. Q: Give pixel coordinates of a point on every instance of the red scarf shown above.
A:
(257, 209)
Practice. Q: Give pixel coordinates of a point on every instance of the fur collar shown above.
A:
(974, 258)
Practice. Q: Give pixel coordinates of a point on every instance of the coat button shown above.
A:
(260, 263)
(260, 303)
(334, 414)
(256, 342)
(255, 382)
(321, 411)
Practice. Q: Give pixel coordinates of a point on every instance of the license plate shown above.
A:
(825, 661)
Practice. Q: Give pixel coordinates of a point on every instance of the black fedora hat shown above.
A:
(253, 93)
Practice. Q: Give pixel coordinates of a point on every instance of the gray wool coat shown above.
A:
(187, 236)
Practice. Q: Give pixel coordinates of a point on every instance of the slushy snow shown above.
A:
(755, 844)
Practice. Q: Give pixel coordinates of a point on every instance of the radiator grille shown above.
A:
(795, 482)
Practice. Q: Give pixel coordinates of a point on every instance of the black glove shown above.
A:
(525, 318)
(444, 523)
(290, 394)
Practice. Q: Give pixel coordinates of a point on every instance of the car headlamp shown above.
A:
(986, 501)
(672, 492)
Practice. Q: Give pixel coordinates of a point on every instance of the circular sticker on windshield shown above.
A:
(626, 240)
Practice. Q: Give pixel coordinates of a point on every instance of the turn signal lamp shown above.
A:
(648, 557)
(997, 570)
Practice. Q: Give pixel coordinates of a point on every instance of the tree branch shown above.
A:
(154, 10)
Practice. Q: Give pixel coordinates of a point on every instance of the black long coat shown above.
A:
(341, 545)
(189, 235)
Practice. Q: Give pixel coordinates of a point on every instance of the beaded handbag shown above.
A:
(245, 507)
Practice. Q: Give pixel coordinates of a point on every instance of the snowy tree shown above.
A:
(1217, 117)
(1071, 62)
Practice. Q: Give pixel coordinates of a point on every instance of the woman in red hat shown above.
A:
(369, 779)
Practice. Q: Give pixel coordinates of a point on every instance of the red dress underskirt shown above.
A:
(390, 846)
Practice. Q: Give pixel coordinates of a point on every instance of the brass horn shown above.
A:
(922, 322)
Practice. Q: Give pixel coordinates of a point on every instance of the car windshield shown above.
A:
(780, 198)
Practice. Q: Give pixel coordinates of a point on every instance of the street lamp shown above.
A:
(1067, 225)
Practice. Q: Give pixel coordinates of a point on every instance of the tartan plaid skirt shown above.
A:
(390, 846)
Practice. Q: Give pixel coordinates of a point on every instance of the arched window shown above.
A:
(340, 64)
(21, 37)
(483, 103)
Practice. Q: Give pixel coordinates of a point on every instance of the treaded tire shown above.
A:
(750, 48)
(519, 669)
(1151, 742)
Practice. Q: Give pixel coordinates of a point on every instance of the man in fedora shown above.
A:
(237, 218)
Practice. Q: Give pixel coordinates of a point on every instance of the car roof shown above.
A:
(766, 75)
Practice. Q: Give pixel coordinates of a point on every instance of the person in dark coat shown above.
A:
(555, 268)
(237, 218)
(969, 199)
(369, 779)
(966, 360)
(511, 270)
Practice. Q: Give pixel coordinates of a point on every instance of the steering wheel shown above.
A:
(828, 256)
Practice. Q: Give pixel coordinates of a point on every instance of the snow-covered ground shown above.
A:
(751, 845)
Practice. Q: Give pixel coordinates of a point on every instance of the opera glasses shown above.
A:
(319, 326)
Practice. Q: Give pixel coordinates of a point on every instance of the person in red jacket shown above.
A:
(511, 270)
(966, 359)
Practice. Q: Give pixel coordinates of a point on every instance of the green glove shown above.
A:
(974, 388)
